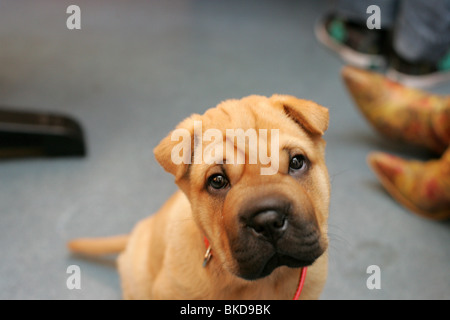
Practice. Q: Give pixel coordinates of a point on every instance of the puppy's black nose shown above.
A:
(269, 224)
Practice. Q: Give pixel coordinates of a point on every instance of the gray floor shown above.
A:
(134, 70)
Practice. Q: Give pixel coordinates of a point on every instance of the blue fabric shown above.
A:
(422, 31)
(421, 28)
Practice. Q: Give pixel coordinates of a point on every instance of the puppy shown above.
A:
(251, 211)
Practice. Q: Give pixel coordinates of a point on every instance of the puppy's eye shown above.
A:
(218, 181)
(297, 162)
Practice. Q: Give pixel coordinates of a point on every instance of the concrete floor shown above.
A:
(134, 70)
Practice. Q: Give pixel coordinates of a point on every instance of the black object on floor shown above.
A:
(31, 134)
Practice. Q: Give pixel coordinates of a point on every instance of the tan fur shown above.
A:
(164, 253)
(99, 246)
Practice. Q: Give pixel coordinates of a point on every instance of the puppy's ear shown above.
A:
(308, 114)
(174, 152)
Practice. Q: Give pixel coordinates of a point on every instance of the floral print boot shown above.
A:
(398, 112)
(423, 187)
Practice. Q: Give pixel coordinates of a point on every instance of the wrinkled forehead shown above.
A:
(234, 136)
(256, 123)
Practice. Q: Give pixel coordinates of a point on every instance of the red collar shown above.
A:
(301, 282)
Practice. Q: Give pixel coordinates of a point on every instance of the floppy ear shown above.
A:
(309, 115)
(174, 152)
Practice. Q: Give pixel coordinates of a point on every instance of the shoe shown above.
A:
(354, 43)
(422, 187)
(398, 112)
(419, 74)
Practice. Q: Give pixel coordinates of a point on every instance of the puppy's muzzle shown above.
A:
(275, 230)
(267, 219)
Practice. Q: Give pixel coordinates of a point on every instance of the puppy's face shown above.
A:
(255, 174)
